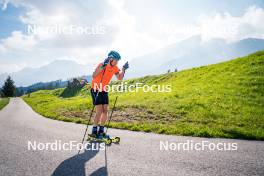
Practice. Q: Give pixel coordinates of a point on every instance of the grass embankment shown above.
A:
(3, 102)
(220, 100)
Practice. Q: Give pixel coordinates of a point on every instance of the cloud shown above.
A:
(129, 40)
(49, 46)
(220, 25)
(233, 28)
(64, 15)
(119, 29)
(4, 4)
(18, 42)
(130, 33)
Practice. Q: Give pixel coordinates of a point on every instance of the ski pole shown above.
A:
(87, 126)
(111, 115)
(92, 110)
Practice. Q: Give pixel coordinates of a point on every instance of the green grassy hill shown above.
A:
(220, 100)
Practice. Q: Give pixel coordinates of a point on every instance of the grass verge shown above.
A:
(3, 102)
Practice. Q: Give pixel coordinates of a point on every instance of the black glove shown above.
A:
(106, 61)
(125, 66)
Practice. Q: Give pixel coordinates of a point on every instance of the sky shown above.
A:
(86, 30)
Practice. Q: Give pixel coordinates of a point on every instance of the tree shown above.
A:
(19, 92)
(9, 88)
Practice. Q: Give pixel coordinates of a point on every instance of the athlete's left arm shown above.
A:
(120, 75)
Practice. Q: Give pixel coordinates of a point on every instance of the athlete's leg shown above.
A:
(103, 119)
(98, 114)
(104, 114)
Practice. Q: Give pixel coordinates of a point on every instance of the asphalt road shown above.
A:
(137, 154)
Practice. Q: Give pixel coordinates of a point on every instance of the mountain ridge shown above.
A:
(192, 52)
(56, 70)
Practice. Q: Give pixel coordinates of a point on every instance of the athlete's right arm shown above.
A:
(97, 71)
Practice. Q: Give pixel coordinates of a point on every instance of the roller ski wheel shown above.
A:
(115, 140)
(92, 137)
(107, 141)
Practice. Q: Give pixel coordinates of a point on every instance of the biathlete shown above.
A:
(100, 79)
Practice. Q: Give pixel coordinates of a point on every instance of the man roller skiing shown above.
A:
(101, 78)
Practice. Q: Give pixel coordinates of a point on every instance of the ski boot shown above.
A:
(94, 134)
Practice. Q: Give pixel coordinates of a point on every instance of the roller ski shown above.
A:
(103, 138)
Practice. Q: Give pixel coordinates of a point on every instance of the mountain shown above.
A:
(56, 70)
(190, 53)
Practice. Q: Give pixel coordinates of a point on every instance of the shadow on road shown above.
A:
(76, 165)
(103, 170)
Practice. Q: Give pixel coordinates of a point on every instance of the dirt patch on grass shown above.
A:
(75, 114)
(132, 115)
(129, 114)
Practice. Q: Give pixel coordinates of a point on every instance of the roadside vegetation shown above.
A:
(3, 102)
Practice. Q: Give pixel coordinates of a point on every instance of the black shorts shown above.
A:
(102, 97)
